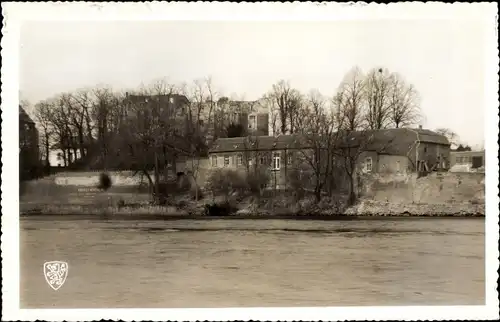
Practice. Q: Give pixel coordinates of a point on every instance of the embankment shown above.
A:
(443, 193)
(438, 194)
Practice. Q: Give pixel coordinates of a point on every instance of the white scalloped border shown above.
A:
(15, 13)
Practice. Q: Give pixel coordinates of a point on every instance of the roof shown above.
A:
(280, 142)
(389, 141)
(398, 141)
(24, 117)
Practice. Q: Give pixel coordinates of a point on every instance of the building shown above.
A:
(174, 106)
(29, 154)
(380, 151)
(253, 117)
(467, 161)
(404, 150)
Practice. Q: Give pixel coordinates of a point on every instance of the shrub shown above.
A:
(104, 181)
(222, 182)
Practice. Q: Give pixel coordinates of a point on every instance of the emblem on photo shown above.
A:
(55, 273)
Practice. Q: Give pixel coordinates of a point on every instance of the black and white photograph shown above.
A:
(269, 158)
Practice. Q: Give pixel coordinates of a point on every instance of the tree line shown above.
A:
(104, 126)
(376, 100)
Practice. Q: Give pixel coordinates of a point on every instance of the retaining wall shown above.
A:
(435, 188)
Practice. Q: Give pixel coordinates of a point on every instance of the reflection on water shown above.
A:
(227, 263)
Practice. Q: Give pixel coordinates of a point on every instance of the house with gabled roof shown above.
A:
(379, 151)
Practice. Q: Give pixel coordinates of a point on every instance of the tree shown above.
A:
(404, 103)
(377, 93)
(59, 118)
(153, 135)
(462, 148)
(288, 101)
(317, 140)
(350, 99)
(449, 134)
(43, 118)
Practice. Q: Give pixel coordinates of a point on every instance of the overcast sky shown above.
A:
(444, 60)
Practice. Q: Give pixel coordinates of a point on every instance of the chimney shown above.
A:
(420, 127)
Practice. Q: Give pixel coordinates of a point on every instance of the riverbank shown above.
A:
(380, 199)
(247, 210)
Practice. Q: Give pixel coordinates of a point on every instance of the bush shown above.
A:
(222, 182)
(224, 209)
(104, 181)
(225, 182)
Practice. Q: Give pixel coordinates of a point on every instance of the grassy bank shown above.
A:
(120, 205)
(43, 197)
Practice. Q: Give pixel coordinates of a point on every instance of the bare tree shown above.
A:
(317, 140)
(288, 101)
(350, 99)
(149, 134)
(257, 175)
(102, 110)
(59, 117)
(212, 97)
(377, 93)
(403, 102)
(43, 119)
(452, 137)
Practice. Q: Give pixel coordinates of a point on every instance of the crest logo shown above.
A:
(55, 273)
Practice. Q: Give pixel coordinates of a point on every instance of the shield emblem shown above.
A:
(55, 273)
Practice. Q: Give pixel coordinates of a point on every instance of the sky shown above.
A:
(443, 59)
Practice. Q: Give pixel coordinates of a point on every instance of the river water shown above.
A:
(229, 263)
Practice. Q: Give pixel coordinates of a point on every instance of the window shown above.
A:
(226, 160)
(368, 165)
(425, 149)
(398, 166)
(252, 122)
(239, 159)
(276, 160)
(262, 160)
(214, 161)
(289, 158)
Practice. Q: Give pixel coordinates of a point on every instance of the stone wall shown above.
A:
(435, 188)
(91, 178)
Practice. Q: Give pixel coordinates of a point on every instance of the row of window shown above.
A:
(463, 160)
(275, 162)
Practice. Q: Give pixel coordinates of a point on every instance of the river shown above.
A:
(244, 263)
